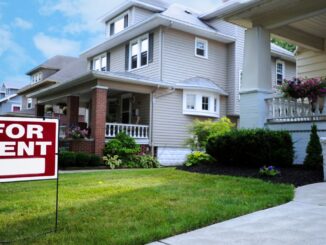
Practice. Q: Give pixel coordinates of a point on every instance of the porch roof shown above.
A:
(301, 22)
(200, 83)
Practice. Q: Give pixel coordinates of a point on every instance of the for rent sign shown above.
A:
(28, 149)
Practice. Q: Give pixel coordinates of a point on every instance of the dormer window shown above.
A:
(118, 24)
(37, 77)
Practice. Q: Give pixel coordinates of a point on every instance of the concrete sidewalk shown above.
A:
(302, 221)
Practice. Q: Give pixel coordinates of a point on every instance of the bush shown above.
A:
(314, 157)
(198, 157)
(95, 161)
(112, 161)
(202, 130)
(122, 145)
(254, 147)
(147, 161)
(82, 159)
(67, 159)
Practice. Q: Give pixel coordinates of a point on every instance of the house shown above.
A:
(160, 67)
(9, 100)
(299, 22)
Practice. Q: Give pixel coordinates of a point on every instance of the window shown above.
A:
(15, 108)
(201, 48)
(118, 24)
(139, 52)
(37, 77)
(280, 70)
(29, 103)
(100, 63)
(200, 103)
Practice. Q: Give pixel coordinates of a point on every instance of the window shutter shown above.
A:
(126, 19)
(127, 57)
(150, 47)
(111, 29)
(108, 61)
(91, 64)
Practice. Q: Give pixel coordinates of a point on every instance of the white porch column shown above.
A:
(323, 144)
(256, 84)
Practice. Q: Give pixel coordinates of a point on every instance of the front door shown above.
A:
(126, 110)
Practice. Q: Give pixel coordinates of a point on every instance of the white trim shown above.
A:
(197, 39)
(100, 57)
(108, 23)
(29, 101)
(283, 70)
(16, 105)
(100, 87)
(138, 40)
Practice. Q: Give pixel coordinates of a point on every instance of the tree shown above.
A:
(288, 46)
(314, 158)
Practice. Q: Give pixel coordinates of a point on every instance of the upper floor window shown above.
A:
(37, 77)
(100, 63)
(280, 71)
(29, 103)
(139, 52)
(201, 48)
(118, 24)
(201, 103)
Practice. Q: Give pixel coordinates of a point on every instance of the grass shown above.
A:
(130, 207)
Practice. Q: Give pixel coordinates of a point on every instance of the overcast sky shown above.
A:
(33, 30)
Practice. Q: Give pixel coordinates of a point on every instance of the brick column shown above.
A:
(72, 110)
(39, 110)
(98, 118)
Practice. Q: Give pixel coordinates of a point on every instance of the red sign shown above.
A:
(28, 149)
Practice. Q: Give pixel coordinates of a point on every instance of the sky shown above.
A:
(32, 31)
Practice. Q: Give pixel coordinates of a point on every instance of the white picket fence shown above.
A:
(133, 130)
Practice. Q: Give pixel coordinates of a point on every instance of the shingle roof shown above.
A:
(57, 62)
(158, 3)
(201, 83)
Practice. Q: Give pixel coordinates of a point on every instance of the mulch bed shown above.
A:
(296, 175)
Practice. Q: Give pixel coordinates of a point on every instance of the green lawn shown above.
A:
(130, 206)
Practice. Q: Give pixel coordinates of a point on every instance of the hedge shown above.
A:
(78, 159)
(255, 148)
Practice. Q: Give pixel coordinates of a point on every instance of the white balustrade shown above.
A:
(133, 130)
(280, 109)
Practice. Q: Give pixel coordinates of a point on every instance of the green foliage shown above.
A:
(252, 148)
(314, 157)
(147, 161)
(67, 159)
(122, 145)
(202, 130)
(288, 46)
(270, 171)
(95, 160)
(198, 157)
(82, 159)
(112, 161)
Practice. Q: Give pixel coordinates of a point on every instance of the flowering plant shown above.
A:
(77, 133)
(304, 88)
(270, 171)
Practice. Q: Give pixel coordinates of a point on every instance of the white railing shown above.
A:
(133, 130)
(280, 109)
(62, 132)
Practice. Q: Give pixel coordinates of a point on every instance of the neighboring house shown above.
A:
(299, 22)
(9, 100)
(159, 68)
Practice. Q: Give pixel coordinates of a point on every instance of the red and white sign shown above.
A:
(28, 149)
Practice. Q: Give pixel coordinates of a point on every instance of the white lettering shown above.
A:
(10, 131)
(43, 146)
(23, 148)
(7, 149)
(34, 130)
(2, 126)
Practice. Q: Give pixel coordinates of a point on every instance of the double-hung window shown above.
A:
(29, 103)
(139, 52)
(205, 103)
(280, 71)
(201, 48)
(100, 63)
(191, 101)
(118, 24)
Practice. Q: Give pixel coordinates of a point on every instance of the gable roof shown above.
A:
(200, 83)
(55, 63)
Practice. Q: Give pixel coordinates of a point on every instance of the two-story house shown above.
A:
(159, 68)
(9, 100)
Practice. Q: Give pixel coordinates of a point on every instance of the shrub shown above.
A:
(314, 157)
(202, 130)
(123, 145)
(270, 171)
(82, 159)
(252, 148)
(112, 161)
(147, 161)
(197, 157)
(95, 160)
(67, 159)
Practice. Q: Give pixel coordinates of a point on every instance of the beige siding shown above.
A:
(170, 126)
(311, 64)
(180, 62)
(139, 15)
(290, 70)
(152, 70)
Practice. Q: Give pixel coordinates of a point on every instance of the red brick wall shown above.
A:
(86, 146)
(72, 110)
(98, 118)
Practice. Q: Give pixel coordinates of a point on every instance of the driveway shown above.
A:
(302, 221)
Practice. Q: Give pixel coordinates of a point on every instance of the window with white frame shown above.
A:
(15, 108)
(139, 52)
(280, 71)
(29, 103)
(37, 77)
(117, 25)
(200, 103)
(100, 63)
(201, 48)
